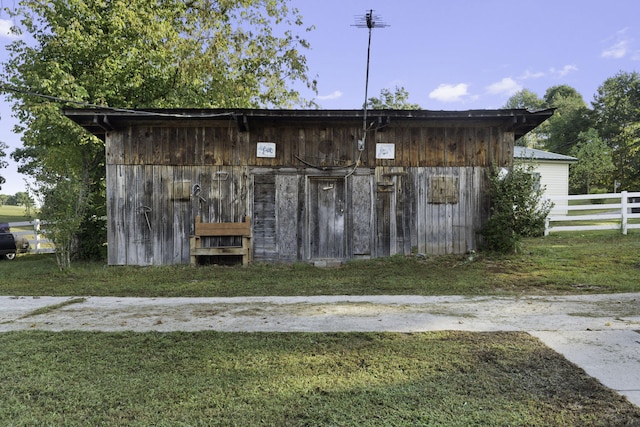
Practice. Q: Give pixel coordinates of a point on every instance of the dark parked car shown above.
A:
(9, 244)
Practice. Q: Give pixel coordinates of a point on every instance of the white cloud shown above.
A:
(531, 75)
(5, 29)
(620, 47)
(333, 95)
(617, 51)
(553, 71)
(563, 71)
(449, 92)
(506, 86)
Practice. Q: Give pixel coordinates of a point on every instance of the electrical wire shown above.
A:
(7, 88)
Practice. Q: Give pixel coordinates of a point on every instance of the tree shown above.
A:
(24, 199)
(617, 111)
(398, 100)
(141, 54)
(560, 132)
(173, 53)
(525, 99)
(517, 208)
(3, 163)
(64, 208)
(571, 117)
(594, 166)
(21, 198)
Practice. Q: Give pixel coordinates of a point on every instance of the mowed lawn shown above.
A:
(301, 379)
(599, 262)
(10, 213)
(297, 379)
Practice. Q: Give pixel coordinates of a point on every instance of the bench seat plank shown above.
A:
(222, 229)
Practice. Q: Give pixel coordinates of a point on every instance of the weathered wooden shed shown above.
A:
(315, 185)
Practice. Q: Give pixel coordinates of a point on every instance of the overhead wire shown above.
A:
(7, 88)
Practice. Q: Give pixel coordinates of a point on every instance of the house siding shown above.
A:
(554, 179)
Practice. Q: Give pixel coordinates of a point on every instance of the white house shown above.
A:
(552, 170)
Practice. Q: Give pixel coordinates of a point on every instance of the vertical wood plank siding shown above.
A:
(317, 187)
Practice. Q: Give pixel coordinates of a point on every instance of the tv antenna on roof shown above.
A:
(369, 21)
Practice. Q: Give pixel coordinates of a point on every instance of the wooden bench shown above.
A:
(221, 229)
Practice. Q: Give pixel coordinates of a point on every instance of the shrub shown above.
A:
(517, 208)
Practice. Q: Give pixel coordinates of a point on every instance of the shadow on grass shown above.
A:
(212, 378)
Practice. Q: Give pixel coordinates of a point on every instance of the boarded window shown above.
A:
(443, 189)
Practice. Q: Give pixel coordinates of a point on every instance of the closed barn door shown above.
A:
(327, 218)
(264, 218)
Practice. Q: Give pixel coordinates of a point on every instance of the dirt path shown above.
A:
(597, 332)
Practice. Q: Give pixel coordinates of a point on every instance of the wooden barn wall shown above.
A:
(312, 145)
(160, 178)
(151, 209)
(446, 227)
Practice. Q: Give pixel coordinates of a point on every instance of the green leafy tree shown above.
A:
(560, 132)
(64, 209)
(21, 198)
(3, 163)
(141, 54)
(525, 99)
(594, 166)
(517, 208)
(24, 199)
(617, 112)
(571, 117)
(397, 100)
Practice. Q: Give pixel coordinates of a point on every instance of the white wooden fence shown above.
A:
(37, 243)
(616, 211)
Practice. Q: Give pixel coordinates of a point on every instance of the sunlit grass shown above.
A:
(271, 379)
(9, 213)
(560, 263)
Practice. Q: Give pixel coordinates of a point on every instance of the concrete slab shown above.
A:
(14, 307)
(596, 332)
(612, 357)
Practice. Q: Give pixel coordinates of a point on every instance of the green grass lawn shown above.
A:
(295, 379)
(560, 263)
(10, 213)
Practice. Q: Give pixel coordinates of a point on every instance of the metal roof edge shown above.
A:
(525, 153)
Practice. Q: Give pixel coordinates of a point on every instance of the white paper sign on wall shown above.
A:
(385, 151)
(266, 149)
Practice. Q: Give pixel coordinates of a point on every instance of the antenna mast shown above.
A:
(369, 21)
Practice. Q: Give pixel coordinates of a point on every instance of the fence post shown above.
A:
(36, 233)
(546, 226)
(623, 208)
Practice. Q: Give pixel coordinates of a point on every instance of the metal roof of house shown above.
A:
(534, 154)
(100, 120)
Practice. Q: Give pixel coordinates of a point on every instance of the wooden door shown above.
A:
(384, 199)
(327, 218)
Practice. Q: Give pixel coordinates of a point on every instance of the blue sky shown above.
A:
(449, 54)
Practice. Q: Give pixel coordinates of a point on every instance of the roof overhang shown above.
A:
(99, 121)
